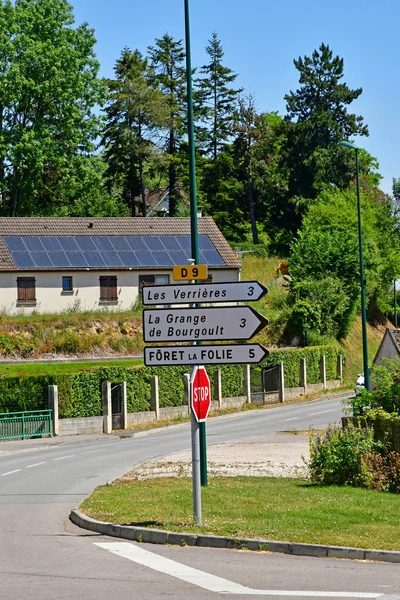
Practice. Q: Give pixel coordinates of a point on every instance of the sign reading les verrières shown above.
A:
(205, 323)
(236, 291)
(228, 354)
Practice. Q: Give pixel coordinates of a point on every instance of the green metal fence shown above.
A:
(21, 425)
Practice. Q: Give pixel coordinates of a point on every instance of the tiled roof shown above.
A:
(109, 226)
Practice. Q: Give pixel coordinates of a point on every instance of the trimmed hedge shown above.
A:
(291, 362)
(80, 394)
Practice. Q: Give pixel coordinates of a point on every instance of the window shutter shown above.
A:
(21, 289)
(30, 289)
(103, 288)
(112, 288)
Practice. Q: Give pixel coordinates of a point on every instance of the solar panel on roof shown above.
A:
(204, 243)
(15, 244)
(163, 259)
(136, 243)
(94, 259)
(51, 243)
(33, 244)
(179, 257)
(85, 243)
(59, 259)
(211, 258)
(146, 259)
(184, 242)
(68, 243)
(111, 259)
(77, 259)
(129, 259)
(41, 259)
(23, 260)
(153, 243)
(120, 244)
(170, 242)
(102, 243)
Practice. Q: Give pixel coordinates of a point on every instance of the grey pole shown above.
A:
(196, 481)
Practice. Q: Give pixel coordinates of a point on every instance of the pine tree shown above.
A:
(134, 112)
(167, 60)
(217, 99)
(317, 119)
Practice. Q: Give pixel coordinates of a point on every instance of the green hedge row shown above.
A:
(291, 362)
(80, 394)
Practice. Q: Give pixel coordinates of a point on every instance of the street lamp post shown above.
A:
(352, 146)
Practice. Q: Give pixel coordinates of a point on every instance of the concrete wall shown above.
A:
(86, 290)
(81, 426)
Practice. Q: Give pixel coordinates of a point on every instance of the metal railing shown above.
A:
(26, 424)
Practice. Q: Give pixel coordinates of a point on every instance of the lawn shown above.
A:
(255, 507)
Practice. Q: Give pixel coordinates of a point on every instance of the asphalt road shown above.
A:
(43, 556)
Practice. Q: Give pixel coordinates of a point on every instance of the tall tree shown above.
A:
(218, 100)
(167, 60)
(134, 112)
(246, 129)
(317, 119)
(48, 89)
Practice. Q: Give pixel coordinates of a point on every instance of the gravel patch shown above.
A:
(281, 455)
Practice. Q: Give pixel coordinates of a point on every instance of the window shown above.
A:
(67, 284)
(153, 280)
(26, 290)
(108, 288)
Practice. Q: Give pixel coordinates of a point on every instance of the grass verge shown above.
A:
(255, 507)
(67, 368)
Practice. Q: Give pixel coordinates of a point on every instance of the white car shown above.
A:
(360, 384)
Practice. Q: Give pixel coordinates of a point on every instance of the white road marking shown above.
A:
(35, 465)
(10, 472)
(291, 419)
(321, 412)
(62, 457)
(209, 582)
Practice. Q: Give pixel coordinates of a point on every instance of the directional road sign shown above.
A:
(221, 354)
(206, 323)
(189, 272)
(235, 291)
(200, 393)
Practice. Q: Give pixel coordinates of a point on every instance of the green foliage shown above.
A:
(337, 457)
(48, 78)
(134, 111)
(324, 261)
(80, 393)
(385, 392)
(291, 362)
(217, 99)
(319, 306)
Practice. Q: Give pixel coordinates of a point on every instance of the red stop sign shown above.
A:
(200, 393)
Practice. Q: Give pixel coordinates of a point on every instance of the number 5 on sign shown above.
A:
(190, 272)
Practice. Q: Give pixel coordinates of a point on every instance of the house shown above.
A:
(50, 265)
(389, 347)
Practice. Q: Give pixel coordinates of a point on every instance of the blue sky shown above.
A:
(260, 39)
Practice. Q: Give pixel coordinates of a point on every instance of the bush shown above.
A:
(338, 457)
(385, 392)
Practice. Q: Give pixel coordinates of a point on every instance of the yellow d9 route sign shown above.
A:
(190, 272)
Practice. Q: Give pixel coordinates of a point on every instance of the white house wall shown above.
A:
(86, 290)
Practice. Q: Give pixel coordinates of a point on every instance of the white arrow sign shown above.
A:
(208, 323)
(235, 291)
(222, 354)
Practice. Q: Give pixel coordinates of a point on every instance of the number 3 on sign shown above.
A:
(190, 272)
